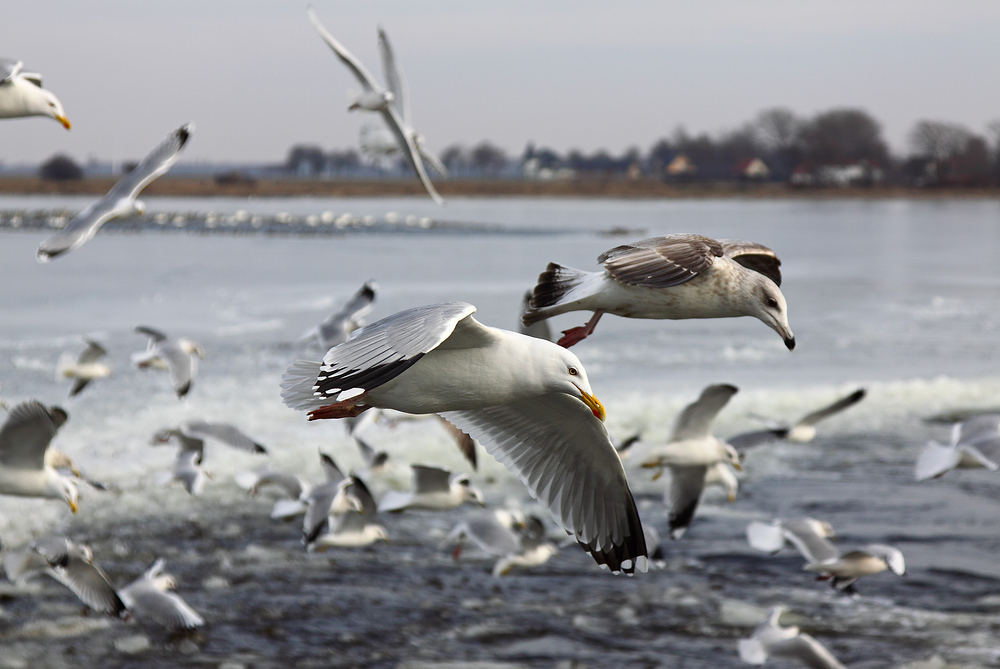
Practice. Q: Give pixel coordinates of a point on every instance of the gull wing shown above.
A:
(27, 433)
(433, 161)
(465, 443)
(746, 440)
(836, 407)
(404, 137)
(661, 262)
(155, 335)
(754, 256)
(394, 77)
(488, 535)
(79, 230)
(696, 419)
(87, 581)
(358, 488)
(330, 469)
(686, 486)
(376, 354)
(228, 434)
(935, 460)
(9, 68)
(766, 537)
(92, 353)
(807, 651)
(180, 365)
(156, 163)
(336, 329)
(352, 63)
(893, 557)
(812, 546)
(430, 479)
(562, 453)
(166, 608)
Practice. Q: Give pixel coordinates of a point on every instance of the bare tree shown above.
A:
(938, 139)
(489, 158)
(777, 129)
(844, 136)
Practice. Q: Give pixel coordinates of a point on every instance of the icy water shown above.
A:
(900, 297)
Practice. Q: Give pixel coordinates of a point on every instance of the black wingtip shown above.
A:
(629, 554)
(184, 133)
(183, 390)
(259, 448)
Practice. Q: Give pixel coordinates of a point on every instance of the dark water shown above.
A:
(899, 297)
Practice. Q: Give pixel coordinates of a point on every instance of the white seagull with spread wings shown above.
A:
(120, 200)
(21, 94)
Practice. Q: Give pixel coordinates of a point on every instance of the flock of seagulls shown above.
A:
(525, 399)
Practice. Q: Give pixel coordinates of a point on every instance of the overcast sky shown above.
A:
(256, 78)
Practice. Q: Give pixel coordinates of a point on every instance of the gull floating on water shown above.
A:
(380, 100)
(21, 94)
(771, 639)
(434, 489)
(85, 368)
(673, 277)
(120, 200)
(72, 565)
(975, 443)
(338, 327)
(150, 596)
(527, 401)
(24, 443)
(801, 432)
(689, 454)
(178, 357)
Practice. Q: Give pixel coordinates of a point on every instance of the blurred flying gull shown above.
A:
(351, 527)
(690, 452)
(25, 470)
(150, 596)
(84, 368)
(338, 327)
(177, 357)
(520, 545)
(376, 98)
(120, 200)
(975, 443)
(673, 277)
(526, 400)
(771, 639)
(21, 94)
(801, 432)
(434, 489)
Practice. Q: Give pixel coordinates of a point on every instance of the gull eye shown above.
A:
(771, 302)
(573, 371)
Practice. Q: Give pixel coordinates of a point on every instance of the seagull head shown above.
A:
(732, 456)
(49, 105)
(565, 374)
(139, 207)
(767, 303)
(60, 487)
(470, 493)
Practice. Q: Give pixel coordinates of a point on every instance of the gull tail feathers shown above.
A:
(553, 285)
(297, 386)
(935, 461)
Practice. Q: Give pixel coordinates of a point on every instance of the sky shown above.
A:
(255, 78)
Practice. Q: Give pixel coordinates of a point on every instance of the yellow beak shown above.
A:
(72, 505)
(594, 405)
(65, 122)
(737, 466)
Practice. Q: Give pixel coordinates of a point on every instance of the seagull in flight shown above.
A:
(21, 94)
(396, 124)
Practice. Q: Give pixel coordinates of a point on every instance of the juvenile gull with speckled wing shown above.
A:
(120, 200)
(527, 401)
(673, 277)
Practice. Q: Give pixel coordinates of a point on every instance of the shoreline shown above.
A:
(585, 188)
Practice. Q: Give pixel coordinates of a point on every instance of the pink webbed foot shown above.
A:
(346, 409)
(576, 335)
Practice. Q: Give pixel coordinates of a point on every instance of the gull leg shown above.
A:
(346, 409)
(576, 335)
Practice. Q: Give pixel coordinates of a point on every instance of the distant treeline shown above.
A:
(836, 147)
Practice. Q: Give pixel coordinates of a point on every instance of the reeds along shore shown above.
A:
(611, 188)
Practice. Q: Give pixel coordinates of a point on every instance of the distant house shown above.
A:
(753, 169)
(681, 166)
(544, 164)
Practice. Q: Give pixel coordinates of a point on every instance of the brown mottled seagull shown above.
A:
(673, 277)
